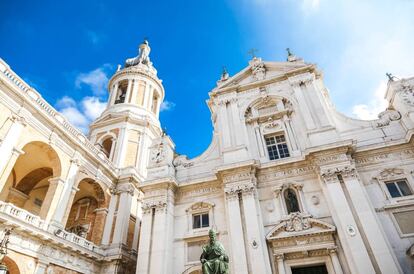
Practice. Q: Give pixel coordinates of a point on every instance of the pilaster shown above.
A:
(50, 203)
(248, 247)
(126, 191)
(109, 218)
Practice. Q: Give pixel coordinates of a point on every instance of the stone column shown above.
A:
(122, 143)
(64, 200)
(162, 236)
(9, 166)
(113, 95)
(365, 212)
(7, 147)
(145, 95)
(256, 247)
(50, 203)
(138, 215)
(145, 239)
(109, 218)
(128, 92)
(72, 194)
(124, 211)
(150, 98)
(335, 261)
(351, 240)
(238, 249)
(99, 224)
(134, 93)
(280, 264)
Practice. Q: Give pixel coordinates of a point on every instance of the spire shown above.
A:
(224, 74)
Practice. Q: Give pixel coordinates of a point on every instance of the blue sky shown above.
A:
(68, 50)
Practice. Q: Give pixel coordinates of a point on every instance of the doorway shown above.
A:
(315, 269)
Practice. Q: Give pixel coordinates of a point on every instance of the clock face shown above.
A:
(407, 94)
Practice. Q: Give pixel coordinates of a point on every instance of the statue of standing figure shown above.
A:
(214, 259)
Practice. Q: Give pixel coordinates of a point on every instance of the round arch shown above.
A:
(86, 216)
(11, 265)
(28, 182)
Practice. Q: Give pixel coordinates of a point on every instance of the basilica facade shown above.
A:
(289, 184)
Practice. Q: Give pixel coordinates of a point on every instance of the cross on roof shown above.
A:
(252, 52)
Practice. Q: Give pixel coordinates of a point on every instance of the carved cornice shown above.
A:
(390, 174)
(330, 175)
(159, 205)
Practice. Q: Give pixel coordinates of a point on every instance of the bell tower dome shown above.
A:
(125, 130)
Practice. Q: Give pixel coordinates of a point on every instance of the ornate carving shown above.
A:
(182, 160)
(407, 92)
(387, 116)
(158, 154)
(330, 175)
(258, 68)
(297, 222)
(390, 173)
(158, 205)
(129, 188)
(142, 58)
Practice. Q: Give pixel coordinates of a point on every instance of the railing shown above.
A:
(73, 238)
(21, 215)
(31, 219)
(53, 114)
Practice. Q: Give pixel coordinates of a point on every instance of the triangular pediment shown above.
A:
(271, 70)
(298, 224)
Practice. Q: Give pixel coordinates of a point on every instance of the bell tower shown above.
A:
(126, 129)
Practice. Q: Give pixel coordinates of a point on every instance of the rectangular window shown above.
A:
(277, 147)
(200, 220)
(398, 188)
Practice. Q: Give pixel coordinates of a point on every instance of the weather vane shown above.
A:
(252, 52)
(391, 77)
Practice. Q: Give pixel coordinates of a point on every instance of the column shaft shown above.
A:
(353, 245)
(50, 203)
(109, 220)
(257, 247)
(122, 218)
(145, 243)
(335, 262)
(380, 248)
(280, 264)
(238, 249)
(9, 166)
(64, 199)
(137, 226)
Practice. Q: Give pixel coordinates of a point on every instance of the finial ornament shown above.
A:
(289, 52)
(224, 74)
(391, 78)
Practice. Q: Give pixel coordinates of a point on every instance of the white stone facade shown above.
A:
(287, 182)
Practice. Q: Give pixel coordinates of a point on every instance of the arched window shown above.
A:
(107, 146)
(291, 200)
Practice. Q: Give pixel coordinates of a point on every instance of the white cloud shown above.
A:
(374, 107)
(309, 6)
(96, 80)
(167, 105)
(82, 113)
(92, 107)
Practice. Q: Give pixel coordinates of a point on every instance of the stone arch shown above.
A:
(266, 101)
(107, 143)
(87, 213)
(11, 265)
(28, 182)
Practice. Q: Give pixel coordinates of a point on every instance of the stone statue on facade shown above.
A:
(214, 259)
